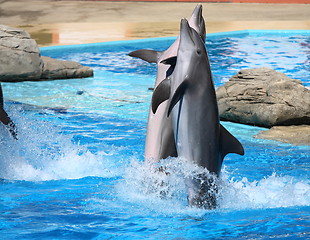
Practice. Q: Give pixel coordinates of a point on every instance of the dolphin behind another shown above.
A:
(160, 142)
(199, 136)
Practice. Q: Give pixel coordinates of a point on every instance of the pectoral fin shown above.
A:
(150, 56)
(177, 95)
(161, 94)
(172, 62)
(229, 144)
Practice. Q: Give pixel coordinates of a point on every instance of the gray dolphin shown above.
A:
(160, 142)
(199, 136)
(5, 119)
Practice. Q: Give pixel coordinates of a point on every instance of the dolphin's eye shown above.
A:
(198, 51)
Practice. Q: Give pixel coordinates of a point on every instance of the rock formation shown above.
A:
(264, 97)
(297, 135)
(57, 69)
(19, 56)
(20, 60)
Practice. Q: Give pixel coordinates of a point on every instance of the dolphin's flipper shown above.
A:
(5, 119)
(177, 95)
(229, 144)
(150, 56)
(172, 61)
(161, 94)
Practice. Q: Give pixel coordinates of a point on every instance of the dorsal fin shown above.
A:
(150, 56)
(229, 144)
(177, 95)
(161, 94)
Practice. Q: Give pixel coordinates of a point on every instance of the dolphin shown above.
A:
(199, 136)
(160, 142)
(5, 119)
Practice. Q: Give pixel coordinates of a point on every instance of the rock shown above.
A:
(297, 135)
(57, 69)
(264, 97)
(19, 56)
(20, 60)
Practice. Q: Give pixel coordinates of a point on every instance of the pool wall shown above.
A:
(142, 42)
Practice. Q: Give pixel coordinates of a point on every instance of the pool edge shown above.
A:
(209, 36)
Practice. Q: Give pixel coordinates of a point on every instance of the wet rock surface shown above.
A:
(264, 97)
(19, 56)
(20, 60)
(297, 135)
(58, 69)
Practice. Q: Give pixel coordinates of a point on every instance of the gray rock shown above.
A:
(19, 56)
(264, 97)
(20, 60)
(297, 135)
(57, 69)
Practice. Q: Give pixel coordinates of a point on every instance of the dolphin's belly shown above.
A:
(197, 132)
(159, 141)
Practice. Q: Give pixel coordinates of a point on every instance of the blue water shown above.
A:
(77, 170)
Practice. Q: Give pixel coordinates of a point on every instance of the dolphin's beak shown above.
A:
(185, 34)
(197, 14)
(197, 22)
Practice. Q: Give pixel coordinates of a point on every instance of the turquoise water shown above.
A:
(77, 170)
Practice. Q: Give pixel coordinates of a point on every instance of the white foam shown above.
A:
(167, 193)
(270, 192)
(42, 153)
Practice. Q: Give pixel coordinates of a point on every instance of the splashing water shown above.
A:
(158, 190)
(270, 192)
(43, 153)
